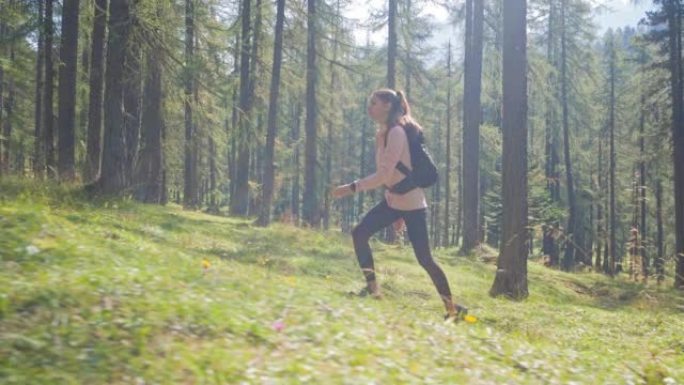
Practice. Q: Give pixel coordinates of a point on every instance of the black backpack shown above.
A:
(424, 173)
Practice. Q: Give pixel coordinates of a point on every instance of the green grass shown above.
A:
(113, 292)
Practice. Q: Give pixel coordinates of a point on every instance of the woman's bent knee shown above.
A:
(358, 234)
(428, 264)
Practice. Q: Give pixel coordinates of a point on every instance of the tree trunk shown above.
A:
(297, 163)
(49, 116)
(311, 210)
(459, 179)
(551, 136)
(675, 45)
(232, 129)
(408, 26)
(239, 203)
(447, 172)
(38, 155)
(94, 131)
(471, 125)
(213, 175)
(112, 178)
(330, 124)
(232, 155)
(7, 125)
(642, 190)
(269, 155)
(364, 154)
(611, 143)
(190, 177)
(549, 246)
(660, 258)
(435, 214)
(511, 275)
(328, 174)
(82, 119)
(149, 169)
(634, 263)
(132, 105)
(392, 44)
(2, 94)
(600, 220)
(68, 57)
(254, 138)
(164, 199)
(569, 256)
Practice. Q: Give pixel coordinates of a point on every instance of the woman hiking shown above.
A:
(391, 111)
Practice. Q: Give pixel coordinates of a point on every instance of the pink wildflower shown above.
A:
(278, 325)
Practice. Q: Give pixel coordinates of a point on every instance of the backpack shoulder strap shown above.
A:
(401, 167)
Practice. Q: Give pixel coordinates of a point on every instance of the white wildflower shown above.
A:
(32, 250)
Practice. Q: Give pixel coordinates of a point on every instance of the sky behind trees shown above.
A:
(623, 12)
(617, 14)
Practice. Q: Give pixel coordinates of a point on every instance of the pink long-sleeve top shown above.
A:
(386, 174)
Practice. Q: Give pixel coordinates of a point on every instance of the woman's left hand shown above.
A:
(342, 191)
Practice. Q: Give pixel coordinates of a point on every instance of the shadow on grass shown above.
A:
(609, 294)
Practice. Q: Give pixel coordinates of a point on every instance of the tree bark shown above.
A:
(675, 44)
(49, 139)
(8, 105)
(447, 172)
(408, 26)
(213, 175)
(296, 123)
(311, 208)
(511, 275)
(269, 155)
(392, 44)
(94, 131)
(364, 152)
(38, 155)
(459, 210)
(112, 178)
(132, 105)
(471, 125)
(569, 256)
(2, 94)
(600, 220)
(239, 203)
(256, 74)
(611, 143)
(232, 128)
(190, 177)
(68, 57)
(149, 170)
(642, 190)
(549, 245)
(660, 234)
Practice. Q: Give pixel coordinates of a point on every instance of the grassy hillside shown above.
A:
(121, 293)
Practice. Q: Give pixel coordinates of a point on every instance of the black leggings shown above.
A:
(382, 216)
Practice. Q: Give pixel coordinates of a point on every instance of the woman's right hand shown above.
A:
(399, 225)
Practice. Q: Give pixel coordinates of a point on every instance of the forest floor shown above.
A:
(115, 292)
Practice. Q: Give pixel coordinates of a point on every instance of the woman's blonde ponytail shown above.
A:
(403, 103)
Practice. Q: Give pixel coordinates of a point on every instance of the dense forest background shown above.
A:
(256, 108)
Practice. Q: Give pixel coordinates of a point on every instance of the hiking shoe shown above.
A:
(366, 292)
(461, 312)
